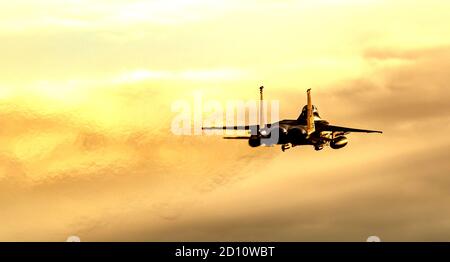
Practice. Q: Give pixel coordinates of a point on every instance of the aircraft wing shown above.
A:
(251, 127)
(346, 129)
(230, 127)
(237, 137)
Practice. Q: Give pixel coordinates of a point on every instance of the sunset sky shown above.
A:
(86, 89)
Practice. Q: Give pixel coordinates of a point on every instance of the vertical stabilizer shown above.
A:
(310, 128)
(261, 109)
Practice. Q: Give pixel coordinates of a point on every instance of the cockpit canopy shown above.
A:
(302, 117)
(314, 108)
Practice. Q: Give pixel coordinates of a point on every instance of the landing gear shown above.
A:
(285, 147)
(318, 147)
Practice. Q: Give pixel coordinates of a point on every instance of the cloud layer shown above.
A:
(85, 116)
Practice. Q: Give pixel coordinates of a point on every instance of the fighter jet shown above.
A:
(308, 129)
